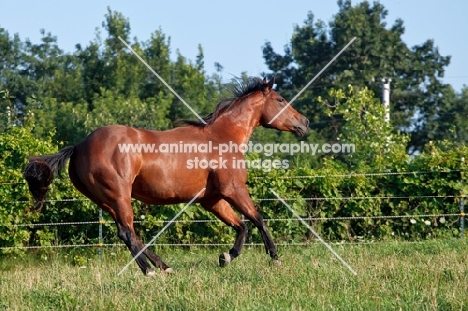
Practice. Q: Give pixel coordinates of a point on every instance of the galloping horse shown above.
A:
(111, 177)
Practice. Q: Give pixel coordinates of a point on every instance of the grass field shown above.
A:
(430, 275)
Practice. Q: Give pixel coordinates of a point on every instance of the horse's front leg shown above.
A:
(239, 197)
(224, 212)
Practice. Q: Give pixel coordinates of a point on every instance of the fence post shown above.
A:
(462, 215)
(100, 234)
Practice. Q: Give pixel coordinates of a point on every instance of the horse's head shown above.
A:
(279, 114)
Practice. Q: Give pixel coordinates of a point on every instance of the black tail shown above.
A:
(39, 173)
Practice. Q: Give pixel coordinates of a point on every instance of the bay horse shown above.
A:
(111, 177)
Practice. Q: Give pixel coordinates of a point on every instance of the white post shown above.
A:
(386, 98)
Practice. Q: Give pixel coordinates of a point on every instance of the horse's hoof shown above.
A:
(169, 270)
(224, 259)
(150, 273)
(275, 262)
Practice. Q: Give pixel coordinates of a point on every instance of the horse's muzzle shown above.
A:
(302, 127)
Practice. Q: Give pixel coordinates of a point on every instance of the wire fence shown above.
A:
(265, 220)
(375, 174)
(352, 175)
(461, 215)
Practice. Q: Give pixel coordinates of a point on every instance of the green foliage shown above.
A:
(117, 109)
(421, 104)
(69, 117)
(342, 183)
(50, 99)
(376, 144)
(102, 83)
(17, 144)
(337, 188)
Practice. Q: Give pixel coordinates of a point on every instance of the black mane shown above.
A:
(241, 89)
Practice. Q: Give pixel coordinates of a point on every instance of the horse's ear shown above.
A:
(268, 86)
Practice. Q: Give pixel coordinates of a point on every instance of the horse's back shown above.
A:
(123, 158)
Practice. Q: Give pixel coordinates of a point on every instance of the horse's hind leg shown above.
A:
(122, 214)
(128, 235)
(126, 232)
(157, 262)
(225, 213)
(121, 211)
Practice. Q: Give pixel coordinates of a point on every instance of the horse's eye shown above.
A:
(281, 101)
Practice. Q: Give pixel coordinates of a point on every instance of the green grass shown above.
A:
(430, 275)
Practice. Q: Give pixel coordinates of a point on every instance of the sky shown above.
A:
(233, 32)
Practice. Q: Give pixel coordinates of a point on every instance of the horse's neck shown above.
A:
(238, 123)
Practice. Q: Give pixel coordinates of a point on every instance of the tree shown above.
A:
(378, 52)
(32, 70)
(101, 83)
(11, 81)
